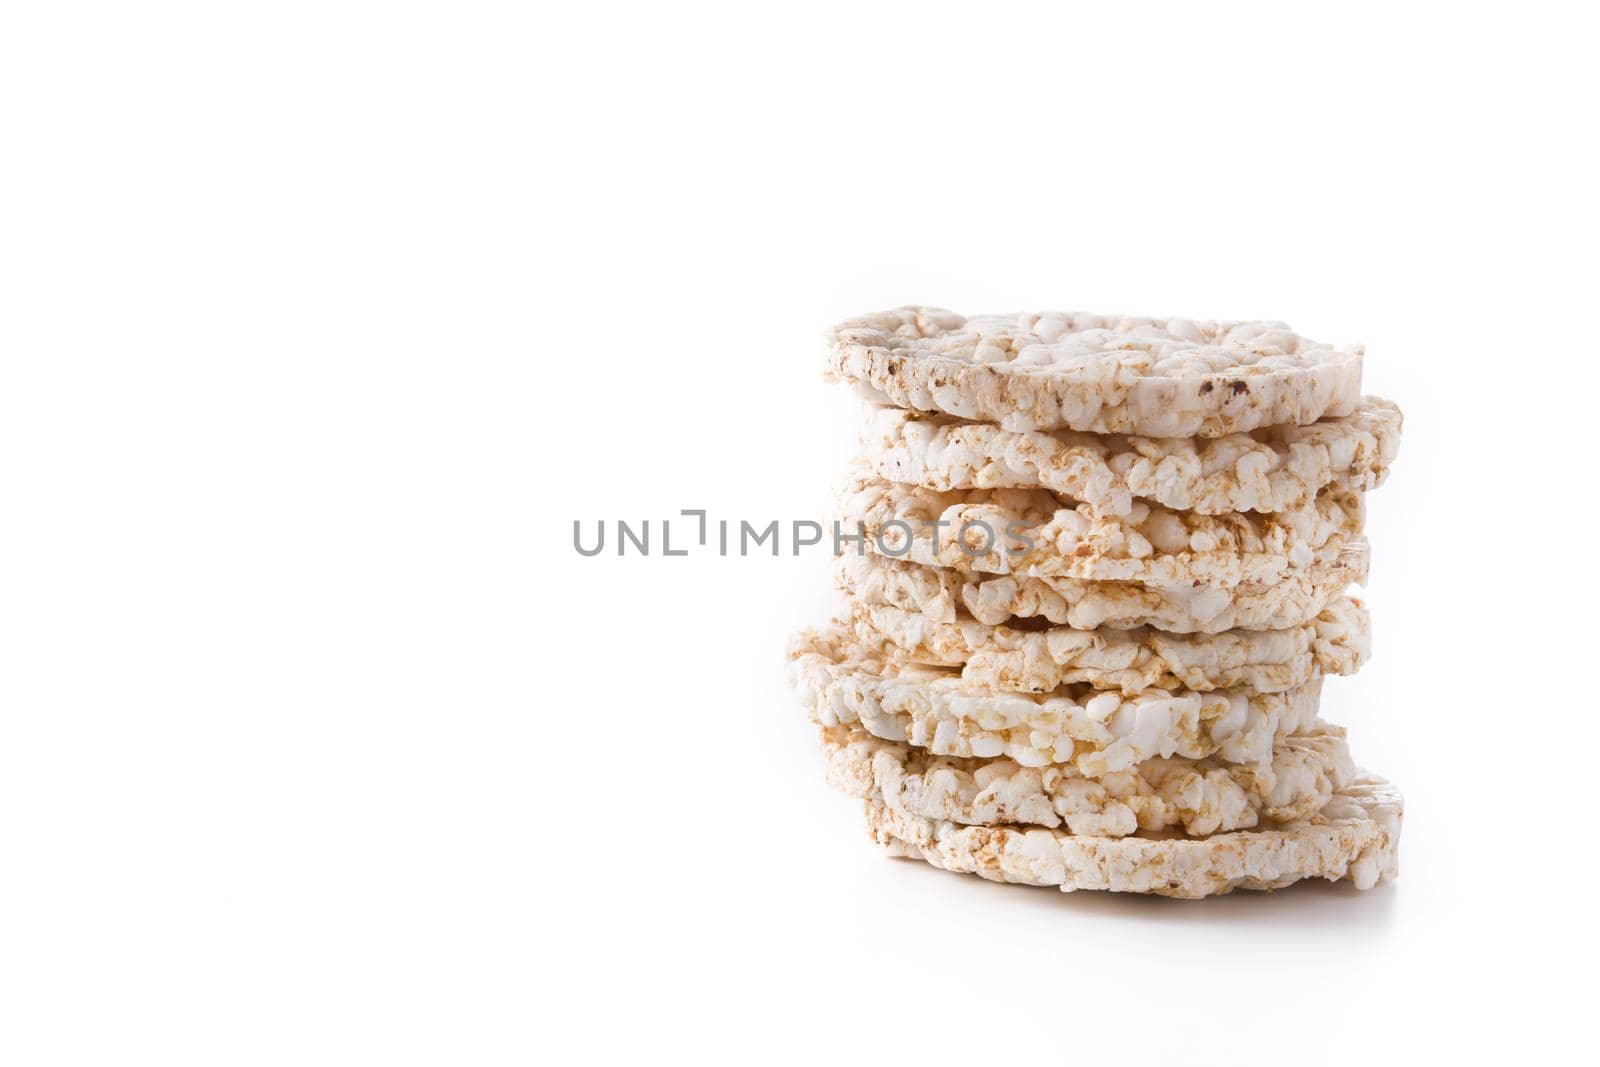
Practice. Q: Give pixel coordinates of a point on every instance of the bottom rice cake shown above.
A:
(1355, 837)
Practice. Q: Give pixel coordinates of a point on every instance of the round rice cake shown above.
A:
(1096, 373)
(1096, 732)
(1275, 468)
(1199, 796)
(948, 596)
(1034, 532)
(1029, 660)
(1354, 837)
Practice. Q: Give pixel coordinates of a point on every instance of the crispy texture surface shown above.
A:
(1009, 659)
(949, 596)
(1096, 732)
(1355, 837)
(1034, 532)
(1197, 796)
(1277, 468)
(1096, 373)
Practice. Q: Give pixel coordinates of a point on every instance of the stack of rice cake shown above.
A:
(1094, 571)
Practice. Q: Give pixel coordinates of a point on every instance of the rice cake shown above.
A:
(1275, 468)
(1030, 660)
(1096, 373)
(943, 595)
(1199, 796)
(1034, 532)
(1355, 837)
(1096, 732)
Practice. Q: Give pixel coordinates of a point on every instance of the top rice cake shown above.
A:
(1057, 370)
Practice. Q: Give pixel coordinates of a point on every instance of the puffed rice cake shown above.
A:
(1354, 837)
(1275, 468)
(1095, 731)
(1096, 373)
(1199, 796)
(948, 596)
(1012, 659)
(1035, 532)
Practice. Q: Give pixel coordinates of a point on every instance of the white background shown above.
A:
(321, 323)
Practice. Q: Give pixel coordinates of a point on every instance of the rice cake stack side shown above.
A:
(1094, 576)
